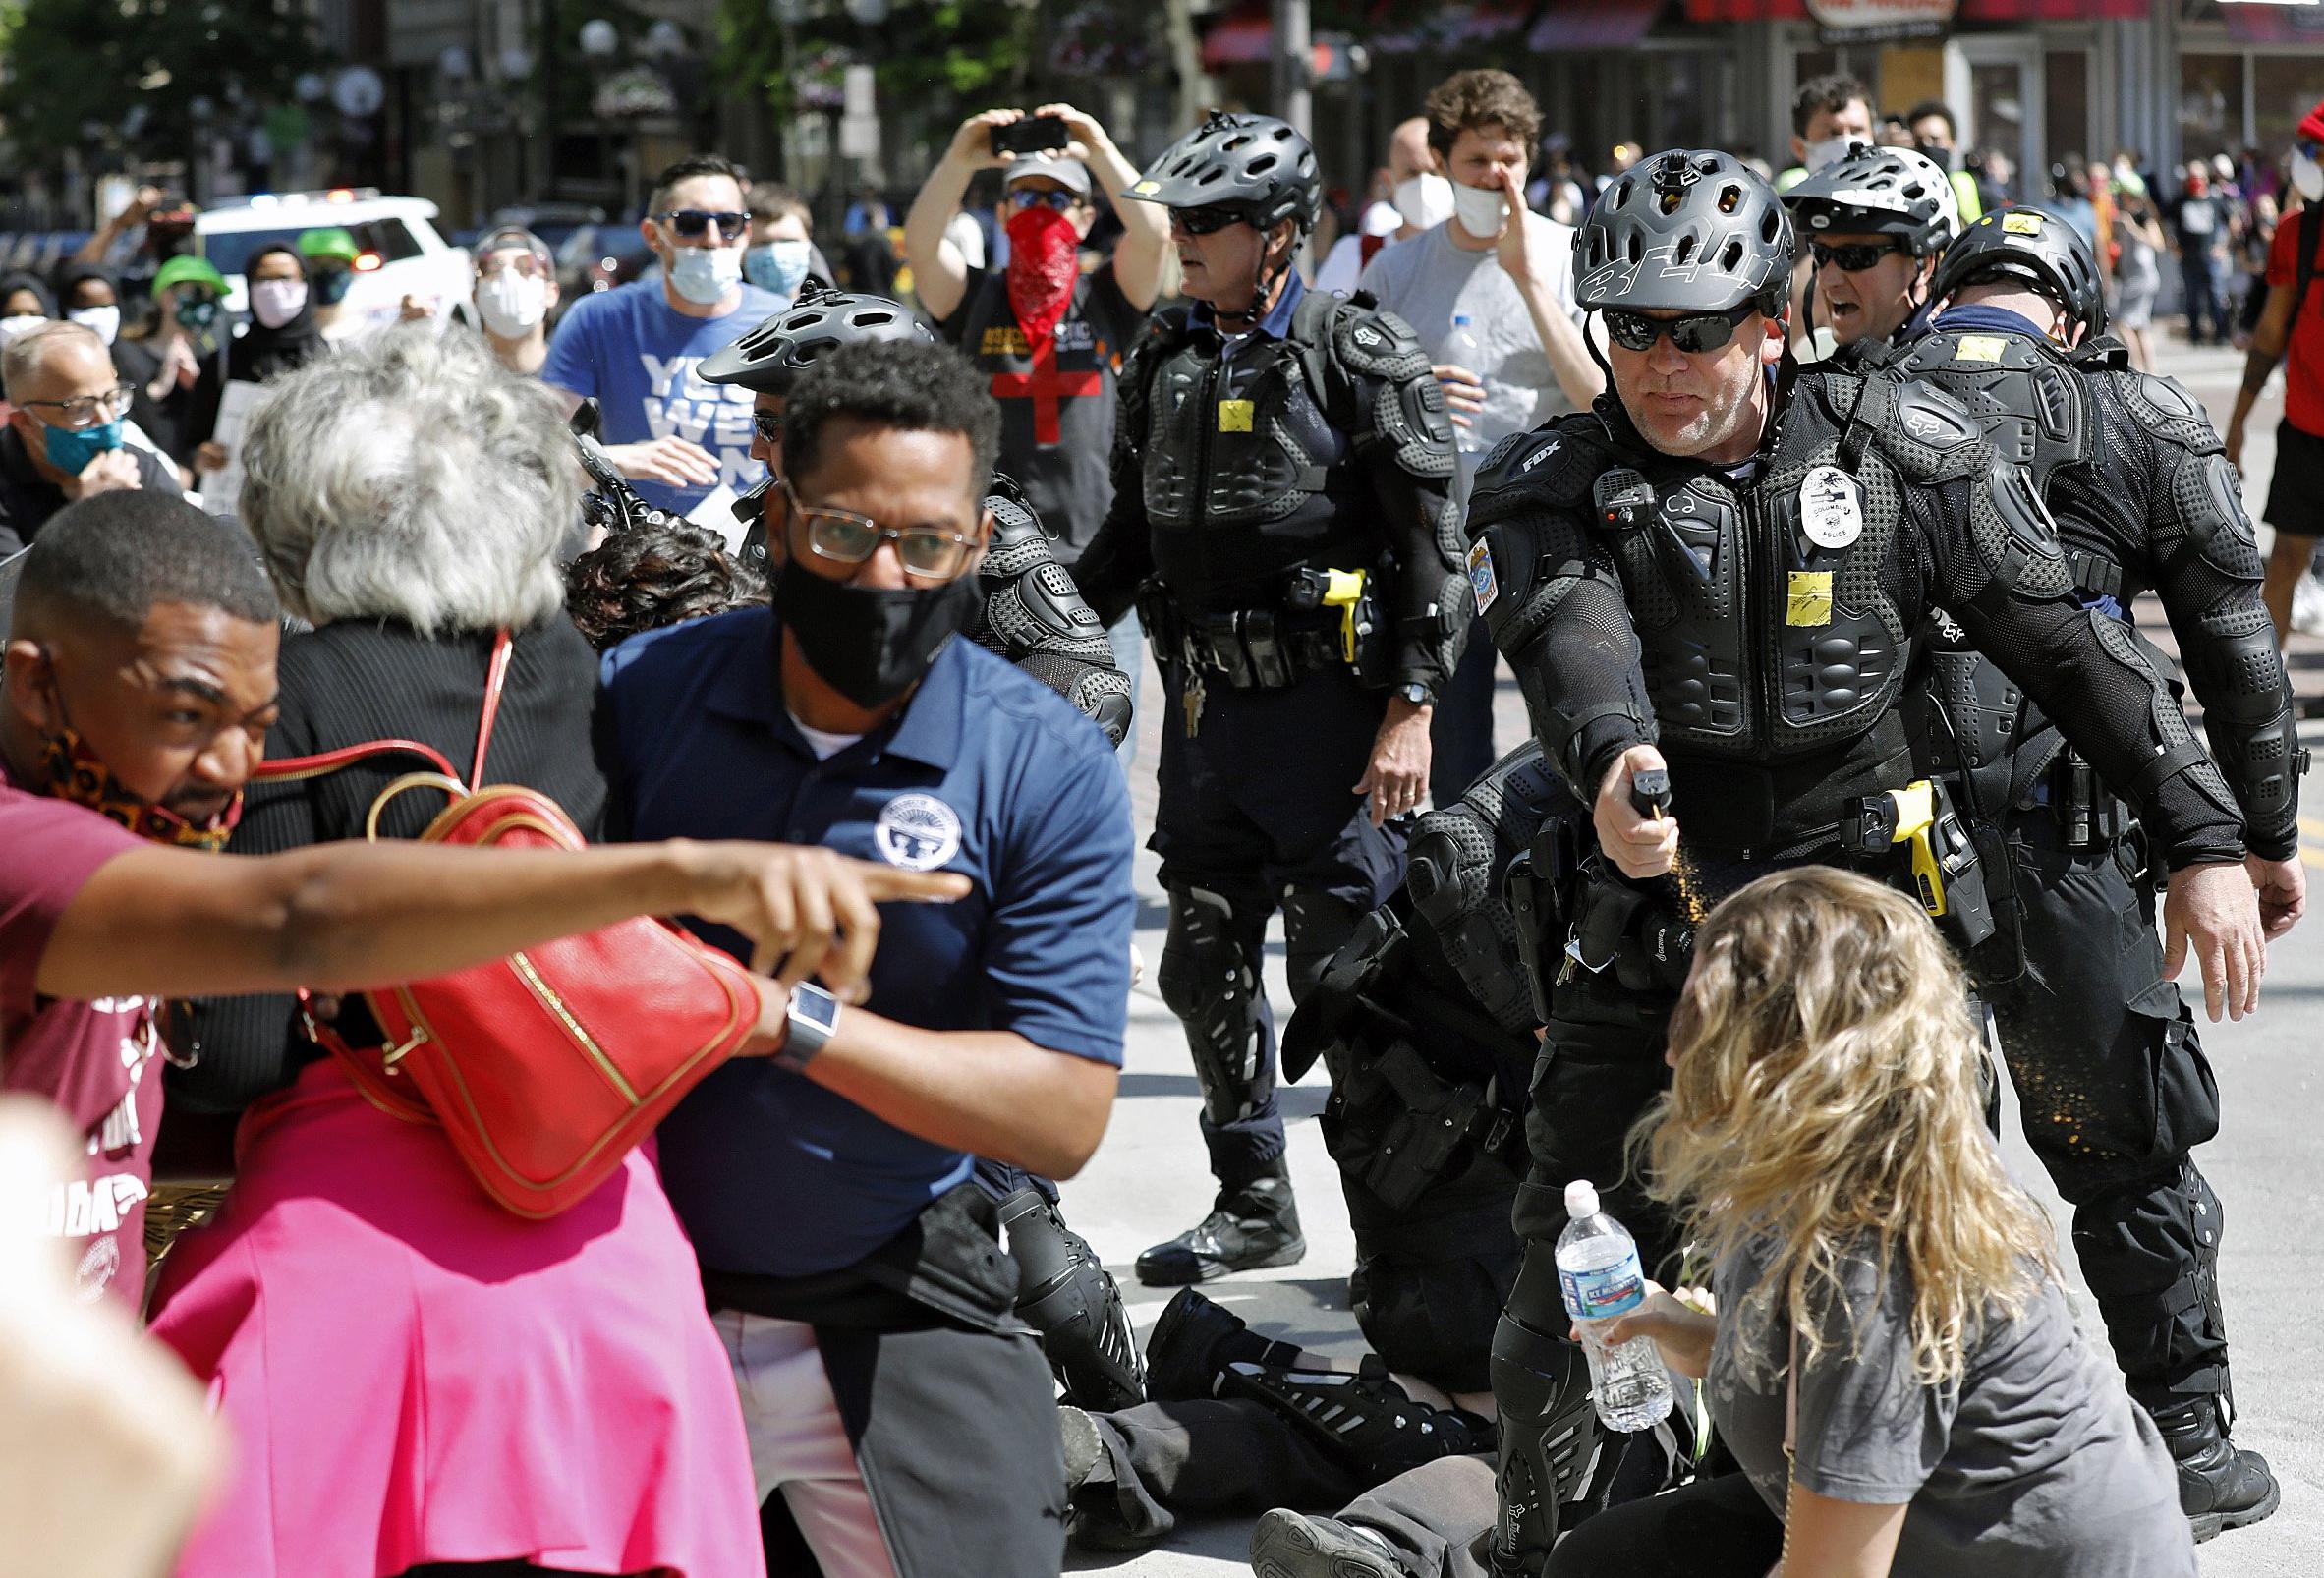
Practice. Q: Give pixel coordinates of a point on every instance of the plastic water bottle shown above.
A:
(1463, 350)
(1598, 1270)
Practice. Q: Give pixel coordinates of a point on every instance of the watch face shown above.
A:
(816, 1005)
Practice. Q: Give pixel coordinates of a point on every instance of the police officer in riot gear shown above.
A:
(1032, 616)
(1874, 221)
(1712, 613)
(2113, 1086)
(1281, 519)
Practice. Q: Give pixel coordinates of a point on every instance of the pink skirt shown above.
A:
(413, 1375)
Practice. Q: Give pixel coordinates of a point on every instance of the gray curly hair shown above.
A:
(412, 478)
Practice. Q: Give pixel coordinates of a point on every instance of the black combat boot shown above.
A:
(1251, 1226)
(2220, 1485)
(1192, 1343)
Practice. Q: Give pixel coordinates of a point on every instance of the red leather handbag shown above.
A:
(545, 1067)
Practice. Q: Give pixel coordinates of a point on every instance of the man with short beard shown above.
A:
(1711, 588)
(1049, 338)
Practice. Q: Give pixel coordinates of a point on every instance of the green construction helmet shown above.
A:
(333, 243)
(182, 270)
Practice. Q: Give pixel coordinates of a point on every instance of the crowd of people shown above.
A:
(1808, 509)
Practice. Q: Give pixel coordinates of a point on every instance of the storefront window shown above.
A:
(2283, 88)
(2065, 106)
(2210, 104)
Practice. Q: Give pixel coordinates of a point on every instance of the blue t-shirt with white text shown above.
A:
(636, 355)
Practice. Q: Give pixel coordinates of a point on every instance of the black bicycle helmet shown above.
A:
(1880, 192)
(1689, 231)
(1253, 163)
(2037, 247)
(769, 358)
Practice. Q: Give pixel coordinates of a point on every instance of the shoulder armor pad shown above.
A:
(1550, 467)
(2165, 409)
(1373, 343)
(1928, 434)
(2105, 353)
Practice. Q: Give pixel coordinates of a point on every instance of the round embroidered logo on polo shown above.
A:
(918, 832)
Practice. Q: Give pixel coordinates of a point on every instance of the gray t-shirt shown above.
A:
(1426, 280)
(2036, 1465)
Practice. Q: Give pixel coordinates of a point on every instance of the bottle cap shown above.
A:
(1581, 1198)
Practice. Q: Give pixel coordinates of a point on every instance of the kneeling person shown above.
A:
(853, 1267)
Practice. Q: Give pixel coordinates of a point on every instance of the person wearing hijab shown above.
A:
(281, 335)
(25, 304)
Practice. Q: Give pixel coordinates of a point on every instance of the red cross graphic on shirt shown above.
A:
(1045, 386)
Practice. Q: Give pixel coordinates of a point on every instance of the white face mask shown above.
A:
(104, 320)
(1424, 202)
(22, 323)
(512, 304)
(1479, 210)
(704, 274)
(1829, 152)
(275, 302)
(2308, 175)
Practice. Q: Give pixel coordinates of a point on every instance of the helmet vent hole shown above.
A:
(1732, 257)
(1669, 199)
(1684, 254)
(1731, 197)
(1635, 248)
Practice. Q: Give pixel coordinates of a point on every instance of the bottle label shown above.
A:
(1599, 1292)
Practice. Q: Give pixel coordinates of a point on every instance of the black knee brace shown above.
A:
(1210, 979)
(1068, 1297)
(1549, 1424)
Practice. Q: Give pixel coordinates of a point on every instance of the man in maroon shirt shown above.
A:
(139, 685)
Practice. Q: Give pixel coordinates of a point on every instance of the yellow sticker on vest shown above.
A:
(1234, 416)
(1979, 348)
(2024, 222)
(1810, 601)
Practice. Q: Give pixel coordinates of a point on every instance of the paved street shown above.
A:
(1148, 1180)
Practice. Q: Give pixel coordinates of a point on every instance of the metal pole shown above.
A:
(1294, 66)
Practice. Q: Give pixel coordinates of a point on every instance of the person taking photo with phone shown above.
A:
(1048, 336)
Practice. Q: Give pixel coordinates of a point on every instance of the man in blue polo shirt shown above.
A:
(853, 1270)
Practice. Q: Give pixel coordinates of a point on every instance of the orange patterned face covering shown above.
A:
(78, 774)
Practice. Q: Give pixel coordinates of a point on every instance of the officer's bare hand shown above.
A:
(807, 911)
(971, 144)
(1640, 846)
(1465, 391)
(1397, 777)
(2283, 887)
(2214, 910)
(110, 473)
(674, 461)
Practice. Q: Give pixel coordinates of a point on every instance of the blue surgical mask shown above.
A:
(71, 449)
(777, 266)
(704, 274)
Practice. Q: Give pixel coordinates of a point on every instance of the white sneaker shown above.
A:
(2308, 605)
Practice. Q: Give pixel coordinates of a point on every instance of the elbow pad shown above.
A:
(2253, 731)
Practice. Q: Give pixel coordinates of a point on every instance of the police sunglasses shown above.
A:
(1851, 258)
(1207, 221)
(691, 222)
(767, 425)
(1693, 334)
(1024, 197)
(928, 553)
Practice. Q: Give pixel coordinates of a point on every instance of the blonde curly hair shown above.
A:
(1826, 1100)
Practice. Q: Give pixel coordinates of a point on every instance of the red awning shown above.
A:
(1245, 37)
(1573, 25)
(1970, 10)
(2274, 24)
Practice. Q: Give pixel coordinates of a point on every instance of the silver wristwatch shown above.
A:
(810, 1018)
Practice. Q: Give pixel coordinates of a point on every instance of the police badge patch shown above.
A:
(1482, 582)
(917, 831)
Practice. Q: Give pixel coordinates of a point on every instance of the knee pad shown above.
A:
(1549, 1424)
(1315, 926)
(1071, 1300)
(1209, 980)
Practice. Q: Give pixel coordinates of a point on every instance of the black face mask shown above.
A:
(871, 644)
(1937, 151)
(332, 286)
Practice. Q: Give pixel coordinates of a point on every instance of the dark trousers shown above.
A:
(1460, 737)
(1716, 1528)
(1258, 812)
(1437, 1517)
(2206, 313)
(1206, 1457)
(2114, 1092)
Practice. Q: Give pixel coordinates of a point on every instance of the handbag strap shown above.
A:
(322, 763)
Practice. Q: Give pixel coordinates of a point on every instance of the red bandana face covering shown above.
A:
(76, 773)
(1043, 262)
